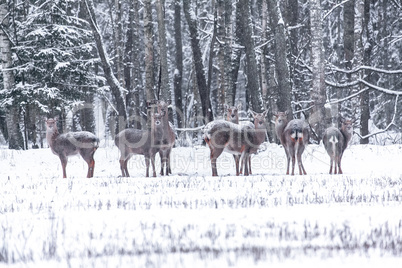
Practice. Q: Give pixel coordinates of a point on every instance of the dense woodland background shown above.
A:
(322, 60)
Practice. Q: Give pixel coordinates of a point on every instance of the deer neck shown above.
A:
(279, 128)
(51, 136)
(260, 133)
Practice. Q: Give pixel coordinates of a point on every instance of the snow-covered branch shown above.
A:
(190, 129)
(333, 8)
(387, 127)
(370, 68)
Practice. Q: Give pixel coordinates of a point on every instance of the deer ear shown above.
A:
(265, 113)
(286, 112)
(253, 113)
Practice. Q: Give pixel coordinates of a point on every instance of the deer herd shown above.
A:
(242, 139)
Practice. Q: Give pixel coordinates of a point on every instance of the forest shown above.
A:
(80, 60)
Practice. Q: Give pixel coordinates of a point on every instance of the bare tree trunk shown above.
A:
(137, 73)
(346, 108)
(363, 54)
(115, 87)
(149, 57)
(128, 67)
(266, 92)
(178, 74)
(318, 118)
(227, 60)
(281, 65)
(199, 66)
(15, 140)
(211, 61)
(119, 42)
(244, 32)
(165, 91)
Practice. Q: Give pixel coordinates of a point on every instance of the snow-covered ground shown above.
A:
(190, 219)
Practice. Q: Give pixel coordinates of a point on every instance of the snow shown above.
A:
(190, 219)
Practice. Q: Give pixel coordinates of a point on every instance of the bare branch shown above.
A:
(392, 123)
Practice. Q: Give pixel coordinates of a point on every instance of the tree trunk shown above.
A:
(119, 42)
(128, 67)
(346, 108)
(244, 33)
(165, 91)
(363, 15)
(149, 58)
(219, 94)
(318, 118)
(15, 140)
(178, 74)
(199, 66)
(115, 87)
(137, 72)
(281, 65)
(228, 67)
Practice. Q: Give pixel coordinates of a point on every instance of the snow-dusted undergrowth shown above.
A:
(193, 219)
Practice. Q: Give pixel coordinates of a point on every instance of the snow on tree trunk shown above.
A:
(244, 32)
(165, 91)
(117, 91)
(15, 140)
(227, 53)
(317, 119)
(178, 74)
(149, 57)
(362, 57)
(281, 65)
(199, 66)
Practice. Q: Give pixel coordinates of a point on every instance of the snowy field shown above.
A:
(190, 219)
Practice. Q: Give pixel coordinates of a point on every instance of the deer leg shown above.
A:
(125, 168)
(236, 159)
(245, 160)
(91, 165)
(288, 161)
(168, 168)
(146, 166)
(63, 160)
(331, 164)
(88, 156)
(300, 150)
(153, 165)
(215, 153)
(249, 165)
(122, 167)
(163, 160)
(339, 164)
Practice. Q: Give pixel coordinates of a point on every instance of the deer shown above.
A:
(72, 143)
(335, 142)
(294, 136)
(221, 135)
(232, 115)
(132, 141)
(168, 137)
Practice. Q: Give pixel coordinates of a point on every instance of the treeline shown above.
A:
(322, 60)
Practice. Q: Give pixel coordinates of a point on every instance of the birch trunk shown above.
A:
(317, 119)
(15, 140)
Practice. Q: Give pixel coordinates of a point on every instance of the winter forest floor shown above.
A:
(190, 219)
